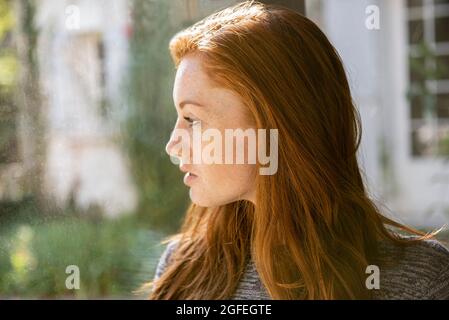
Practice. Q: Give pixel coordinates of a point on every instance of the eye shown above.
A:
(191, 121)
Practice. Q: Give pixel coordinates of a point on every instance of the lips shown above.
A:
(189, 178)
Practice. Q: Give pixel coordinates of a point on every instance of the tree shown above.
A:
(30, 120)
(8, 72)
(151, 116)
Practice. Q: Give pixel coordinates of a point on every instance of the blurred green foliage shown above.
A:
(152, 115)
(8, 77)
(6, 18)
(115, 257)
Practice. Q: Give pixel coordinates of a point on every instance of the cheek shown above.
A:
(223, 184)
(230, 178)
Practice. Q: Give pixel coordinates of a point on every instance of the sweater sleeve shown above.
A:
(439, 290)
(439, 287)
(164, 259)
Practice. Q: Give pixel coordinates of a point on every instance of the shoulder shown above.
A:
(417, 271)
(164, 259)
(432, 251)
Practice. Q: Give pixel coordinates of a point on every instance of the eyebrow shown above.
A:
(181, 105)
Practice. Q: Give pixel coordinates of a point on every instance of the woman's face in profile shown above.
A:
(203, 106)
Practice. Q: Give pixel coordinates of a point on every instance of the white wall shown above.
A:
(83, 160)
(376, 64)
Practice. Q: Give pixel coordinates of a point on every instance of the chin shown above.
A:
(202, 200)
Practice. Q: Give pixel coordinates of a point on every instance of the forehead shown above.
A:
(191, 81)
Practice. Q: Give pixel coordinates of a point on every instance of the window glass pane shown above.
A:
(428, 138)
(415, 31)
(442, 29)
(442, 102)
(442, 64)
(417, 69)
(416, 107)
(414, 3)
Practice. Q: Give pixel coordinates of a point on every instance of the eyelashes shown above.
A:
(192, 121)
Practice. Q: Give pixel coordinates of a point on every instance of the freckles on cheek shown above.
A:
(218, 172)
(237, 176)
(217, 176)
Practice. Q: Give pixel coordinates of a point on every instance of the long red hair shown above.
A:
(314, 229)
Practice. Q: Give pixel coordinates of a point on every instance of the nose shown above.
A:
(170, 144)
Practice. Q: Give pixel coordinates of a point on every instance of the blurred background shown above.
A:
(86, 109)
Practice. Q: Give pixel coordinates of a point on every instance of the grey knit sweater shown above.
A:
(421, 272)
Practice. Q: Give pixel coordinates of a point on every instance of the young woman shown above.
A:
(308, 230)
